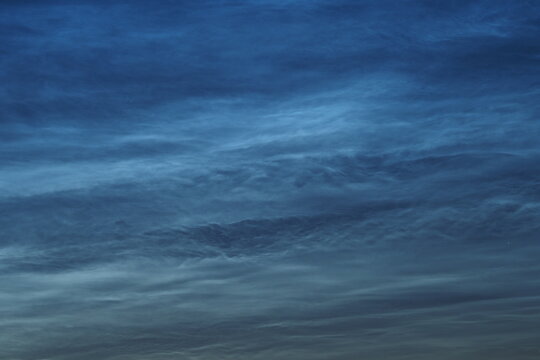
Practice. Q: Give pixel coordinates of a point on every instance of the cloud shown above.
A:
(274, 304)
(269, 180)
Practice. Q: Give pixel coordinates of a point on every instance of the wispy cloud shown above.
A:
(269, 180)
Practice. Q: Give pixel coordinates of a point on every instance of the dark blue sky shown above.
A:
(269, 179)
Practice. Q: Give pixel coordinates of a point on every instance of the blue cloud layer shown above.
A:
(269, 180)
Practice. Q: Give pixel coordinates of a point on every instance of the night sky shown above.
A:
(269, 180)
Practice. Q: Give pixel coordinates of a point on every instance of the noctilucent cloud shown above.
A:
(269, 180)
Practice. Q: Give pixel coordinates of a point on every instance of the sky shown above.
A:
(269, 180)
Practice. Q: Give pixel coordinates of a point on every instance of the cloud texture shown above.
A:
(269, 180)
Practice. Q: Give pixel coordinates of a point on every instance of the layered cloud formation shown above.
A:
(268, 179)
